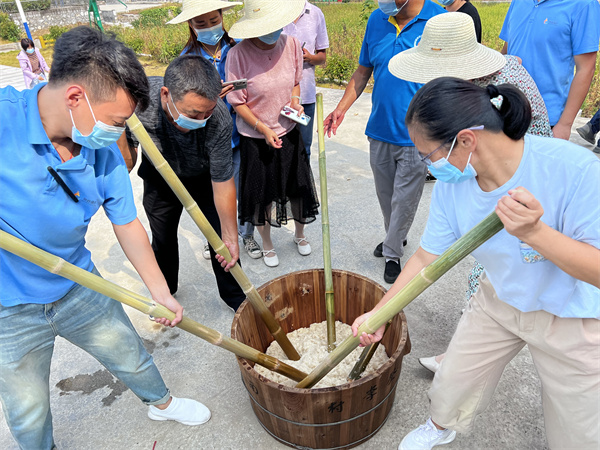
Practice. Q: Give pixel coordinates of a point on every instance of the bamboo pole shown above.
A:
(329, 295)
(59, 266)
(365, 358)
(487, 228)
(163, 167)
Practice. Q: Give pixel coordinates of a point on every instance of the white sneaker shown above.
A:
(304, 250)
(270, 258)
(206, 251)
(430, 363)
(182, 410)
(426, 437)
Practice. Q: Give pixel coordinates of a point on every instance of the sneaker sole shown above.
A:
(390, 280)
(584, 137)
(255, 255)
(164, 419)
(449, 439)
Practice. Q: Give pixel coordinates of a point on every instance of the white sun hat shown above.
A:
(448, 48)
(195, 8)
(262, 17)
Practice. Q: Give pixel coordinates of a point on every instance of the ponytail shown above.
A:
(447, 105)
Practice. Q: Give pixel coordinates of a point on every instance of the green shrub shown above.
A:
(156, 17)
(367, 9)
(56, 31)
(339, 68)
(8, 29)
(163, 43)
(33, 5)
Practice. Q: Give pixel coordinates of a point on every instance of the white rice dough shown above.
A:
(311, 343)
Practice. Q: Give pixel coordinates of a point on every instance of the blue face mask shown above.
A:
(446, 2)
(389, 8)
(102, 135)
(447, 173)
(31, 51)
(210, 36)
(271, 38)
(186, 122)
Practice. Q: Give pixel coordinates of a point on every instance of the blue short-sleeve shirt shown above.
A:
(546, 35)
(391, 96)
(565, 179)
(36, 209)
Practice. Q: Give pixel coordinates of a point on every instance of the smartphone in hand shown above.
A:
(292, 114)
(242, 83)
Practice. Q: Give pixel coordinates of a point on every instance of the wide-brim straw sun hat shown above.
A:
(262, 17)
(448, 48)
(195, 8)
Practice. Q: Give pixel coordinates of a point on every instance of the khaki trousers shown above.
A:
(566, 354)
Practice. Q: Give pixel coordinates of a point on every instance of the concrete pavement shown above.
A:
(92, 410)
(12, 76)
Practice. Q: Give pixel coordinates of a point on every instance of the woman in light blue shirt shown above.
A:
(542, 271)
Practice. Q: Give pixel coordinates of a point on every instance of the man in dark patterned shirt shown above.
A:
(191, 127)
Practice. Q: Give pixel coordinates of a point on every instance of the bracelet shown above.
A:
(256, 125)
(299, 99)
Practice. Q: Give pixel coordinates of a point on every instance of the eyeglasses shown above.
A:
(426, 159)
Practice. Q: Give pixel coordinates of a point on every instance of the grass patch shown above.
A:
(10, 58)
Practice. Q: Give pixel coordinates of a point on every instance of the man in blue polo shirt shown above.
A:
(60, 163)
(554, 38)
(398, 171)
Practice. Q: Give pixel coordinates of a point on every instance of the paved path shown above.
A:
(92, 411)
(11, 76)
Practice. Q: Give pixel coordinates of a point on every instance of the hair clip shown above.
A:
(497, 102)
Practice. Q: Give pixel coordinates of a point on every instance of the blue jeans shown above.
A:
(595, 122)
(307, 131)
(91, 321)
(246, 230)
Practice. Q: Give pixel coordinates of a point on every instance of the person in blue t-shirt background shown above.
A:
(209, 39)
(60, 164)
(542, 271)
(555, 38)
(398, 172)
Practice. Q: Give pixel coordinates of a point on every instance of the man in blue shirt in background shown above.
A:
(60, 163)
(398, 171)
(554, 38)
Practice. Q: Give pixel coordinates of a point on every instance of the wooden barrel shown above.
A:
(329, 418)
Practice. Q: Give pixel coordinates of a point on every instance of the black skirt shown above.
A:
(276, 184)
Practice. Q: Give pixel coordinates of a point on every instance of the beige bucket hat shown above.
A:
(448, 48)
(262, 17)
(194, 8)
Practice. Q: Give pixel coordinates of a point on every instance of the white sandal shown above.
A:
(271, 261)
(304, 250)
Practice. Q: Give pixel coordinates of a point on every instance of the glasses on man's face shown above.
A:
(426, 159)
